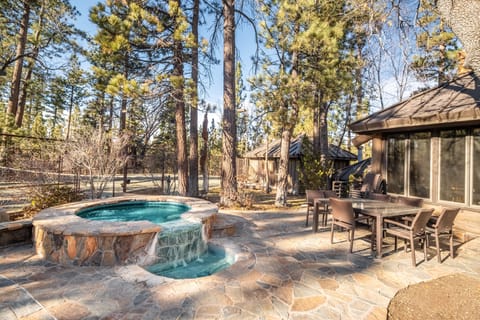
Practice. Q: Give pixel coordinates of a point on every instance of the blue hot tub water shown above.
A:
(154, 211)
(181, 250)
(213, 260)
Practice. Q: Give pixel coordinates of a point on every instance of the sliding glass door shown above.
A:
(452, 165)
(419, 165)
(396, 164)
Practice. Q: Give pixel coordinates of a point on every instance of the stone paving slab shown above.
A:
(287, 272)
(17, 303)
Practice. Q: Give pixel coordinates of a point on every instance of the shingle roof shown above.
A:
(296, 150)
(453, 103)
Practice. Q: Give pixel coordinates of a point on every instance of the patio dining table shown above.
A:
(374, 208)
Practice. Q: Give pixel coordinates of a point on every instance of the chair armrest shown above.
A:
(407, 219)
(396, 223)
(363, 217)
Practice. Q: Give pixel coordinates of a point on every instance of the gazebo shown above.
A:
(428, 146)
(253, 165)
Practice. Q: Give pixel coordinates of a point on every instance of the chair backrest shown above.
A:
(414, 202)
(342, 210)
(446, 218)
(330, 194)
(420, 220)
(312, 194)
(379, 197)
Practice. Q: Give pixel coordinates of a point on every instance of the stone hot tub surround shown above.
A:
(63, 237)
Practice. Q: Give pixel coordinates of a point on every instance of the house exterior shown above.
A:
(428, 146)
(252, 165)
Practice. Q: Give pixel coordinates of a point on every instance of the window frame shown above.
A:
(472, 135)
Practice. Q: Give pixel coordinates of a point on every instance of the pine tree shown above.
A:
(193, 154)
(311, 70)
(124, 29)
(178, 84)
(228, 184)
(12, 107)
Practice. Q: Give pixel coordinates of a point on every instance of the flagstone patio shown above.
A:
(286, 272)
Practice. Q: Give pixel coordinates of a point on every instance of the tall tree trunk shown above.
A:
(123, 124)
(193, 159)
(17, 70)
(70, 109)
(316, 123)
(323, 133)
(31, 63)
(289, 125)
(204, 152)
(362, 106)
(180, 129)
(123, 127)
(282, 181)
(267, 171)
(111, 111)
(464, 19)
(229, 133)
(24, 89)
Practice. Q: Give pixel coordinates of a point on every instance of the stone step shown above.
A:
(223, 227)
(15, 232)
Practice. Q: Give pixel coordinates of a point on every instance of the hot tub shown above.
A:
(63, 236)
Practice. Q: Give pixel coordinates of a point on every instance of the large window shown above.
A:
(476, 168)
(452, 165)
(396, 164)
(419, 168)
(441, 166)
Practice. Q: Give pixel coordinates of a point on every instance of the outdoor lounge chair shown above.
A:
(443, 226)
(411, 232)
(311, 195)
(343, 216)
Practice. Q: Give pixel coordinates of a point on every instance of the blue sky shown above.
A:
(245, 49)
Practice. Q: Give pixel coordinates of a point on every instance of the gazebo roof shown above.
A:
(452, 104)
(334, 152)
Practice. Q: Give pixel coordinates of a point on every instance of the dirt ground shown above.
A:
(451, 297)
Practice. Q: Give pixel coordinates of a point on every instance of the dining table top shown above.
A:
(376, 208)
